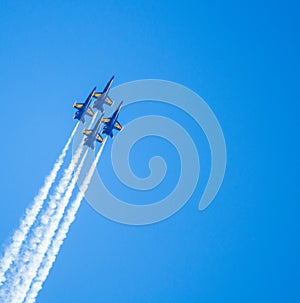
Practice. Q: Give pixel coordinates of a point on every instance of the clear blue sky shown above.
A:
(242, 57)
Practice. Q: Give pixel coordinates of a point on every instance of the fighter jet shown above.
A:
(112, 123)
(84, 108)
(102, 97)
(93, 134)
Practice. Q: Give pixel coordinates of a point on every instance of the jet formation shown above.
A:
(107, 125)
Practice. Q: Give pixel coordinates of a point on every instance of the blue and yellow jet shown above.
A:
(112, 123)
(102, 97)
(93, 135)
(84, 108)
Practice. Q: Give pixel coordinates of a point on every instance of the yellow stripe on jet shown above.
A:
(97, 95)
(106, 120)
(118, 126)
(87, 132)
(109, 101)
(90, 112)
(99, 138)
(78, 105)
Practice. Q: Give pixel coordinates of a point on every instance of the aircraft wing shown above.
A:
(118, 126)
(106, 120)
(87, 132)
(109, 101)
(99, 138)
(97, 95)
(78, 105)
(90, 112)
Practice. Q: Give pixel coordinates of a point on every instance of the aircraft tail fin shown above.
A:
(118, 126)
(99, 138)
(109, 101)
(90, 112)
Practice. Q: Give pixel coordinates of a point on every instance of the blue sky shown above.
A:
(243, 59)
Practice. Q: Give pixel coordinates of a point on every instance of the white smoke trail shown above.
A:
(18, 274)
(27, 266)
(61, 234)
(12, 251)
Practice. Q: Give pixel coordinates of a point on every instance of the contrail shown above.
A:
(12, 251)
(18, 274)
(61, 234)
(32, 257)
